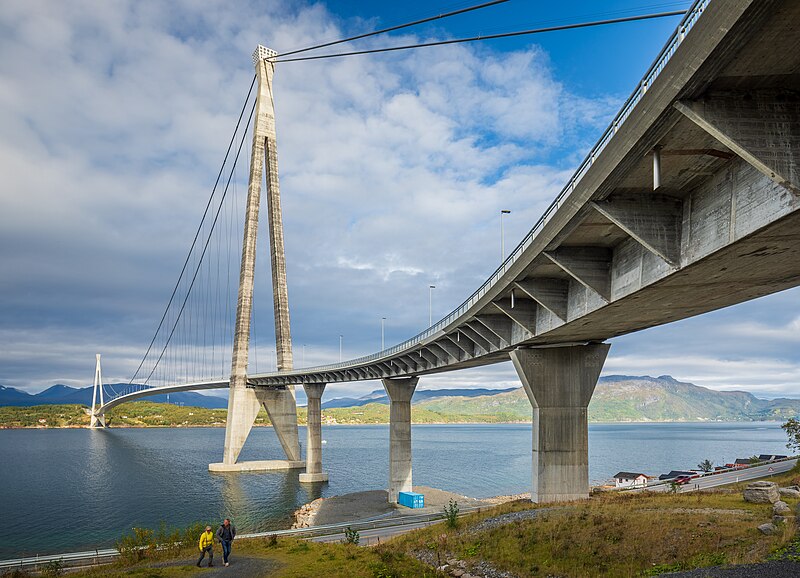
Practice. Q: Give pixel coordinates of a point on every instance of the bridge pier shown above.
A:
(314, 471)
(400, 391)
(559, 382)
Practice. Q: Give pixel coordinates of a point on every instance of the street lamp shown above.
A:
(502, 235)
(303, 356)
(340, 348)
(383, 341)
(430, 304)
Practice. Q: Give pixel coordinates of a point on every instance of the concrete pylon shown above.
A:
(243, 403)
(400, 391)
(559, 382)
(314, 471)
(97, 420)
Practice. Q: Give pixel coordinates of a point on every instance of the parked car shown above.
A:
(681, 480)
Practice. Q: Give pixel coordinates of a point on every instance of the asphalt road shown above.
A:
(712, 481)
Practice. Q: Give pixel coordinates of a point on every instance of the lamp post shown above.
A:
(340, 348)
(383, 341)
(430, 304)
(502, 235)
(303, 356)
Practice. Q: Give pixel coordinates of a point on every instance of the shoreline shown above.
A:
(222, 426)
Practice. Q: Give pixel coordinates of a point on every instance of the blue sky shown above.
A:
(114, 118)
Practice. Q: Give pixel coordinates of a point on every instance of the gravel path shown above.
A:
(776, 569)
(240, 566)
(509, 518)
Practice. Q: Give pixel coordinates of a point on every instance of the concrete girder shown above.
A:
(463, 342)
(482, 346)
(480, 331)
(523, 313)
(442, 353)
(762, 127)
(654, 221)
(550, 293)
(429, 357)
(589, 266)
(500, 325)
(453, 351)
(410, 362)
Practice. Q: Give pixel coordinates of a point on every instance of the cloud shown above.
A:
(115, 117)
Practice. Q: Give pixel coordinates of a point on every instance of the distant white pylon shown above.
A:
(97, 421)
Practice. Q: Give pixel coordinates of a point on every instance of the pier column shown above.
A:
(400, 391)
(314, 471)
(559, 382)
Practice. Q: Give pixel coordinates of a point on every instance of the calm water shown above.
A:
(80, 489)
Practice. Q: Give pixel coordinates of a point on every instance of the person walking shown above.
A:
(225, 534)
(206, 545)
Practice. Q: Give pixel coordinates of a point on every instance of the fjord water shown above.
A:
(76, 489)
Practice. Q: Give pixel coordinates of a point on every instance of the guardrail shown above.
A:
(94, 557)
(686, 24)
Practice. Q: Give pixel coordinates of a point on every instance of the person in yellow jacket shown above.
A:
(206, 544)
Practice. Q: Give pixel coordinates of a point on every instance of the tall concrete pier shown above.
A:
(559, 382)
(243, 404)
(400, 392)
(314, 471)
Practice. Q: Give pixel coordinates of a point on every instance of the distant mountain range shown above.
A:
(616, 398)
(63, 394)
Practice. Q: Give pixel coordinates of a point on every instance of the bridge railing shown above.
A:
(686, 24)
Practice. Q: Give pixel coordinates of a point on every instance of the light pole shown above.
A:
(383, 342)
(303, 356)
(430, 304)
(502, 235)
(340, 348)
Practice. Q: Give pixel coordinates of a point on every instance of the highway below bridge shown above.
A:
(688, 203)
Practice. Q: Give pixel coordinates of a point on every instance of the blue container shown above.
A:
(411, 499)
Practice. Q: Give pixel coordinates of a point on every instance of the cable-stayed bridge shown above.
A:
(689, 202)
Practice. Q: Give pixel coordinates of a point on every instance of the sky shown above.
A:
(115, 116)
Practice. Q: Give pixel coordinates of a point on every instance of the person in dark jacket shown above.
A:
(225, 534)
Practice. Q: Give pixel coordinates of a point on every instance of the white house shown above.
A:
(630, 480)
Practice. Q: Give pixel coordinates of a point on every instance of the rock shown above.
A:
(780, 508)
(768, 529)
(452, 562)
(761, 493)
(458, 572)
(789, 492)
(779, 520)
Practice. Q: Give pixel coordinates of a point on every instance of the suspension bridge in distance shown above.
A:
(688, 203)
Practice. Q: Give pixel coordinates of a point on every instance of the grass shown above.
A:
(612, 534)
(615, 535)
(283, 558)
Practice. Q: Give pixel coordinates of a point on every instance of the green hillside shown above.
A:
(623, 398)
(616, 399)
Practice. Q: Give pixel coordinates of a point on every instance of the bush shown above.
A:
(351, 536)
(53, 569)
(451, 514)
(137, 545)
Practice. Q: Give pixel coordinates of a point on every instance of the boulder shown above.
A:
(761, 493)
(768, 529)
(778, 520)
(780, 508)
(789, 492)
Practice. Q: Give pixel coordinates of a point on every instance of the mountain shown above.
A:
(60, 394)
(379, 396)
(645, 398)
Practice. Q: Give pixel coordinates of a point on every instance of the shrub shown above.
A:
(53, 569)
(451, 514)
(351, 536)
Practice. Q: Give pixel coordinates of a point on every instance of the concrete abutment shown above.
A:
(559, 382)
